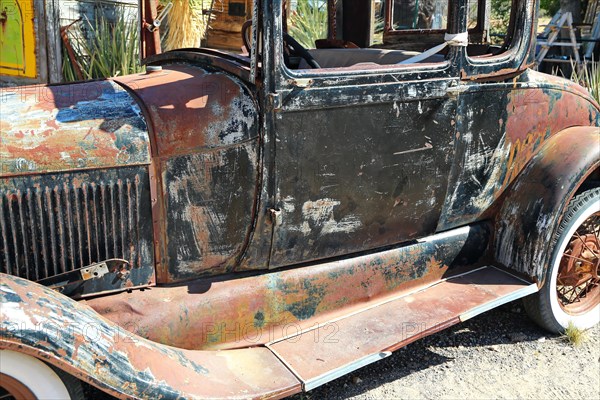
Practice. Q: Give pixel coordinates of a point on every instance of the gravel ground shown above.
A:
(498, 355)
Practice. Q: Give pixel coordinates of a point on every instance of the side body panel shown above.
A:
(500, 127)
(204, 127)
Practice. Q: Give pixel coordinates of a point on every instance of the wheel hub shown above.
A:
(578, 281)
(580, 262)
(13, 389)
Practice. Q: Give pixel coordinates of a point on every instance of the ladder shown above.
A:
(594, 34)
(559, 21)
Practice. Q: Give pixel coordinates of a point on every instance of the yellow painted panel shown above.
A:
(17, 39)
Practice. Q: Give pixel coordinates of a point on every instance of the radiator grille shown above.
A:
(49, 229)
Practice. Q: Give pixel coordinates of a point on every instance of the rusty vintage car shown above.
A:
(230, 226)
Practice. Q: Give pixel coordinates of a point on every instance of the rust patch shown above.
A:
(533, 116)
(69, 127)
(221, 314)
(192, 109)
(126, 365)
(3, 19)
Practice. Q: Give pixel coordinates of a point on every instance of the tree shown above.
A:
(574, 7)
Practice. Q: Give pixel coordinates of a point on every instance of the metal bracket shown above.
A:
(68, 280)
(276, 216)
(454, 90)
(94, 271)
(274, 100)
(158, 21)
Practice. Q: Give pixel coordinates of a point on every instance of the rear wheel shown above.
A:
(26, 377)
(571, 291)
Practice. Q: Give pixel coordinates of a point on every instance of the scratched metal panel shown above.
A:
(360, 176)
(209, 207)
(192, 109)
(205, 129)
(254, 310)
(67, 127)
(500, 130)
(52, 224)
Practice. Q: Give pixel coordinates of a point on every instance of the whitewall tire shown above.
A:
(571, 291)
(26, 377)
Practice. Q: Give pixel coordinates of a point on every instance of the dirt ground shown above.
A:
(497, 355)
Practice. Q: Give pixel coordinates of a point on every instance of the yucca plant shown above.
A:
(308, 22)
(111, 50)
(588, 76)
(68, 70)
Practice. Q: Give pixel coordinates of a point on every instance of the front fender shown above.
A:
(532, 210)
(42, 323)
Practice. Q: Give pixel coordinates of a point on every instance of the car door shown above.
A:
(360, 167)
(361, 158)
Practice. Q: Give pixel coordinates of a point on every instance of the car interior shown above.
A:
(322, 34)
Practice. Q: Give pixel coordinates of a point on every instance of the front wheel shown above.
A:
(23, 377)
(571, 291)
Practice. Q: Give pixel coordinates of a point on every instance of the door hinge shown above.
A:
(274, 101)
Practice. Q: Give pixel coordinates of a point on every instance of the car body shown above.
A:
(231, 226)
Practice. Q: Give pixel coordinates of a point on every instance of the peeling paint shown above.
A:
(69, 127)
(123, 364)
(528, 220)
(529, 112)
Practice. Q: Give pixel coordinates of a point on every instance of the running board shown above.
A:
(328, 351)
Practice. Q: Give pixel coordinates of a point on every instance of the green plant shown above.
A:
(308, 22)
(588, 76)
(68, 70)
(500, 17)
(110, 49)
(550, 6)
(574, 335)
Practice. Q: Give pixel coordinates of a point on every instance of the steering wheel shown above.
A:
(298, 50)
(246, 32)
(292, 45)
